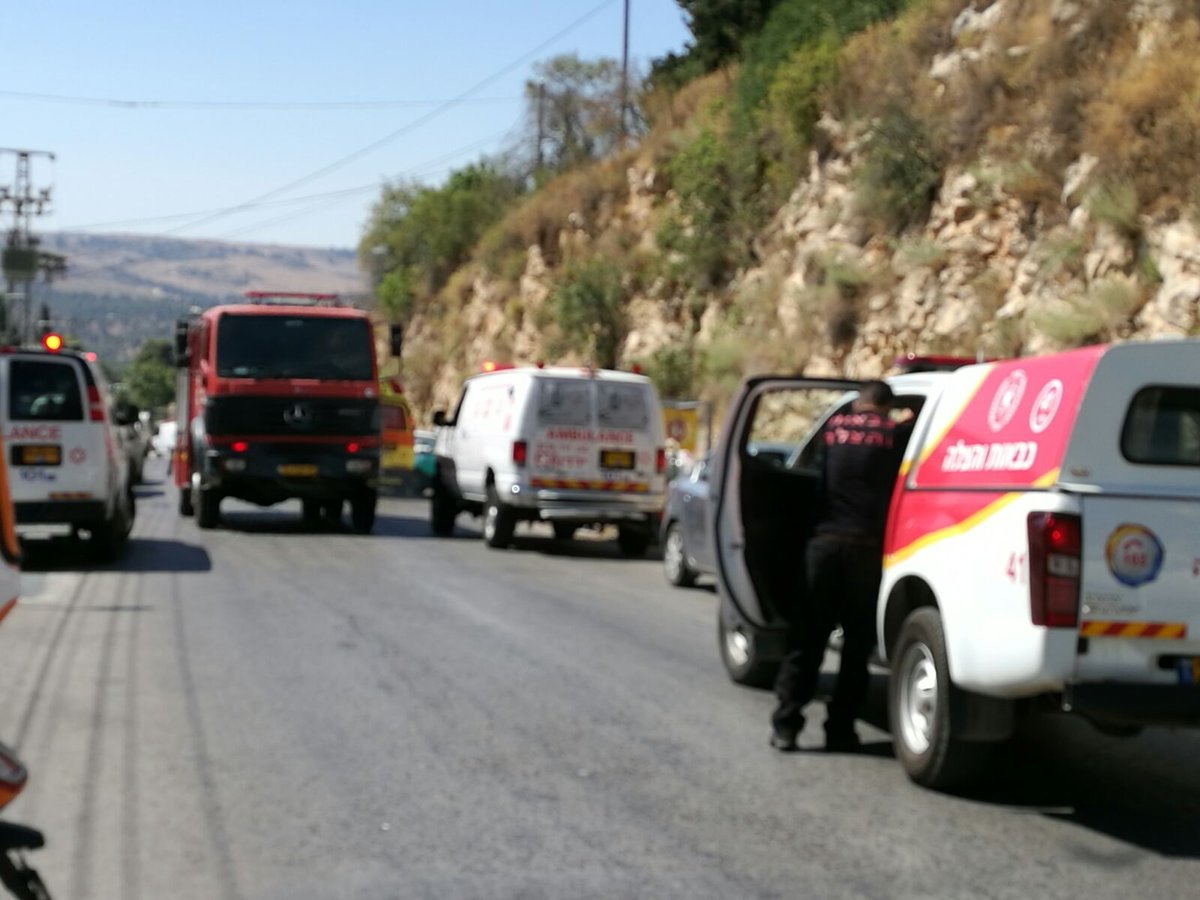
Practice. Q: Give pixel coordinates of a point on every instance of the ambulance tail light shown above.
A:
(1055, 564)
(95, 404)
(520, 453)
(660, 460)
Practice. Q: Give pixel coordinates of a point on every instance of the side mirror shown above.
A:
(439, 419)
(181, 344)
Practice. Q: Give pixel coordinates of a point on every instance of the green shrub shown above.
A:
(900, 172)
(673, 370)
(589, 310)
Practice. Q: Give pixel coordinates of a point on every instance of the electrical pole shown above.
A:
(541, 128)
(22, 261)
(625, 74)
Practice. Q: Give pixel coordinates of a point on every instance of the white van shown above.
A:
(66, 464)
(569, 446)
(1042, 544)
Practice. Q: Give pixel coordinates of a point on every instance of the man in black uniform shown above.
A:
(844, 565)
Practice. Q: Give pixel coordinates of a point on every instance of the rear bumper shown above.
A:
(1135, 704)
(60, 512)
(589, 506)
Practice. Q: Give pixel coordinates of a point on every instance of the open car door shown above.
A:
(765, 480)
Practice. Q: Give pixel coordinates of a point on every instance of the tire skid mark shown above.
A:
(201, 755)
(86, 825)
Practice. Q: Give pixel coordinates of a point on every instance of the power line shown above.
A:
(239, 104)
(416, 123)
(321, 205)
(317, 199)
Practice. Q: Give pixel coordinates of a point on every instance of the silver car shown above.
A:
(687, 546)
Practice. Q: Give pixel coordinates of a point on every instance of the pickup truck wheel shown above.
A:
(498, 522)
(634, 540)
(919, 693)
(208, 507)
(442, 511)
(740, 657)
(362, 512)
(675, 565)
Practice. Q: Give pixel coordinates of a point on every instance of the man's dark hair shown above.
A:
(877, 393)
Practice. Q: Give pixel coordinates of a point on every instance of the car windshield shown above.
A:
(315, 347)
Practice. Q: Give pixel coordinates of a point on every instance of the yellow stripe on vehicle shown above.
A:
(966, 524)
(1155, 630)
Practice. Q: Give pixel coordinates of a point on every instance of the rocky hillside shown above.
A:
(996, 178)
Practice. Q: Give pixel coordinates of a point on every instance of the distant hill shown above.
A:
(121, 289)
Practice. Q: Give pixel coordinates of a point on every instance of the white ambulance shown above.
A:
(1043, 544)
(67, 467)
(568, 446)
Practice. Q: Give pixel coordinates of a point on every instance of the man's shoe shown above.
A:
(784, 741)
(842, 742)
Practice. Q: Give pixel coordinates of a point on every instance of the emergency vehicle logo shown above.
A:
(1045, 406)
(1007, 399)
(1134, 554)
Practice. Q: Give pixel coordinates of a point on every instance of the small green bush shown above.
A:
(900, 172)
(673, 370)
(589, 308)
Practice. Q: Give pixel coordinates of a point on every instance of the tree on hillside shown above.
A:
(150, 377)
(720, 30)
(575, 108)
(417, 235)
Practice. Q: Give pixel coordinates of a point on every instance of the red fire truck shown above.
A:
(278, 398)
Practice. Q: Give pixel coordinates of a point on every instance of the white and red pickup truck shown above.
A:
(1042, 543)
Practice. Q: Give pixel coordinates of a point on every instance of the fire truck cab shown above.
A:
(278, 398)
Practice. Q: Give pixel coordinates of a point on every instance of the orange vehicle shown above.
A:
(278, 398)
(396, 453)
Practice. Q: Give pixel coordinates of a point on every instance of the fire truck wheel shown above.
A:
(362, 512)
(208, 508)
(919, 700)
(498, 522)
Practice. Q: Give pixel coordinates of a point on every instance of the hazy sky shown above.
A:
(182, 108)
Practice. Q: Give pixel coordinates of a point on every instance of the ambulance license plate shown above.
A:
(1188, 668)
(297, 470)
(616, 459)
(37, 455)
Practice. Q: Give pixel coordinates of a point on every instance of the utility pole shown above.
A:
(22, 261)
(541, 128)
(625, 74)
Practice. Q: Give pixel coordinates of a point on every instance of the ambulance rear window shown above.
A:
(620, 405)
(1162, 427)
(44, 391)
(564, 401)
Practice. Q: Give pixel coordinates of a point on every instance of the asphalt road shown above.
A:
(264, 712)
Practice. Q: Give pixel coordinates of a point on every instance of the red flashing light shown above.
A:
(52, 341)
(490, 365)
(239, 446)
(636, 369)
(520, 453)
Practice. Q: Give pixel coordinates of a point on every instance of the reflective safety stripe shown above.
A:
(625, 487)
(1161, 630)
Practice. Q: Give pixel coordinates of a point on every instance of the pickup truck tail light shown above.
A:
(1055, 563)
